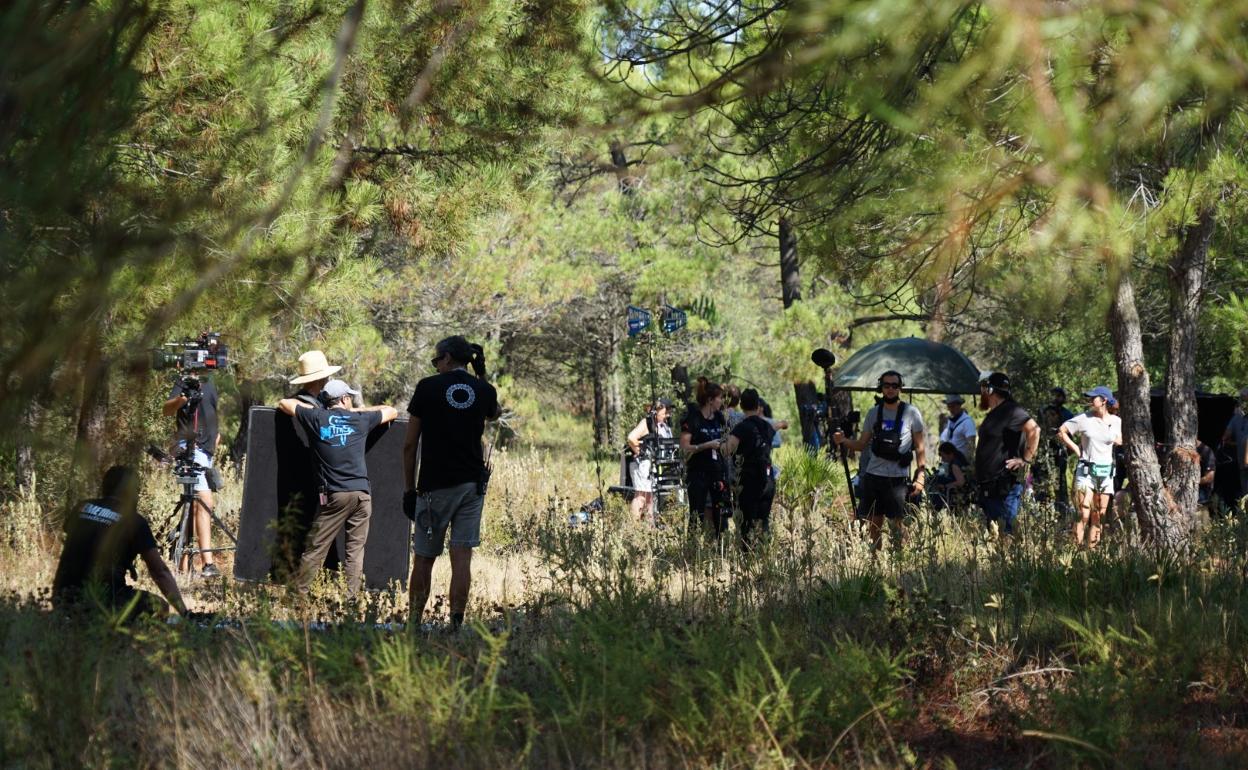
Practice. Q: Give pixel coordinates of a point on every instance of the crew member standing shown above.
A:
(1008, 440)
(701, 439)
(193, 401)
(960, 428)
(338, 433)
(448, 415)
(751, 441)
(1099, 432)
(655, 422)
(893, 430)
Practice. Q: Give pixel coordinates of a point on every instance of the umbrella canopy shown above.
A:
(926, 367)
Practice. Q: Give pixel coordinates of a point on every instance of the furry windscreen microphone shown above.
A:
(823, 357)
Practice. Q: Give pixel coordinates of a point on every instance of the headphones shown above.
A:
(879, 382)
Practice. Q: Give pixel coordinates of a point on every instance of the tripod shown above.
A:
(181, 540)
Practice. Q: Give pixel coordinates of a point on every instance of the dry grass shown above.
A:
(615, 644)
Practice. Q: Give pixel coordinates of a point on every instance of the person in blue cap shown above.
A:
(1099, 432)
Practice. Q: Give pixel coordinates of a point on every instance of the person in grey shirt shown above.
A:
(893, 430)
(1237, 433)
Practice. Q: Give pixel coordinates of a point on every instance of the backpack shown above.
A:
(886, 445)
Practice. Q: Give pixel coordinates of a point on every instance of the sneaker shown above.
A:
(210, 571)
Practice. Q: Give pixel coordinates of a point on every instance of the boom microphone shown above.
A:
(823, 358)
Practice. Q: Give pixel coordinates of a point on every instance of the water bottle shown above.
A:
(578, 518)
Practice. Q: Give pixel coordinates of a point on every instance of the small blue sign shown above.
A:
(674, 319)
(638, 320)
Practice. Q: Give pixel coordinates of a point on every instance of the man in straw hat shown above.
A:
(338, 432)
(314, 372)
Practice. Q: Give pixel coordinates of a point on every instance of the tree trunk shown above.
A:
(614, 401)
(1153, 507)
(625, 183)
(247, 390)
(790, 276)
(805, 393)
(1186, 275)
(24, 456)
(600, 400)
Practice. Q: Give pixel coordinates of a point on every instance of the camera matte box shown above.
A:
(280, 500)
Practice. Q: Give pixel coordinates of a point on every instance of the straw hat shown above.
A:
(313, 366)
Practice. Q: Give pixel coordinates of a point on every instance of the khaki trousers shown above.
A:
(352, 509)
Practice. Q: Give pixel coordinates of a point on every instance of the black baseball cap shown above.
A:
(998, 381)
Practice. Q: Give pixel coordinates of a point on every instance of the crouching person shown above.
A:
(102, 538)
(448, 415)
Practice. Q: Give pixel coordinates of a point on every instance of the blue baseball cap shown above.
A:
(1102, 391)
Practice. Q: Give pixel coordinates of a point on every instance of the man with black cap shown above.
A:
(894, 432)
(1008, 440)
(959, 430)
(1099, 432)
(338, 433)
(448, 415)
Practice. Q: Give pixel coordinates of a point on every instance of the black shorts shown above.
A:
(885, 495)
(756, 498)
(705, 490)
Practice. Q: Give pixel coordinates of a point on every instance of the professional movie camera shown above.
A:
(205, 353)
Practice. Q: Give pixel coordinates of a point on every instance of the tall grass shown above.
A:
(615, 644)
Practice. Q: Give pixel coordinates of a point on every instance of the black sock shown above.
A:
(457, 619)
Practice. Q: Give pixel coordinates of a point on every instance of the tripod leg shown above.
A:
(182, 555)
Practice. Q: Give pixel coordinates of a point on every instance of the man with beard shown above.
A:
(1008, 440)
(894, 432)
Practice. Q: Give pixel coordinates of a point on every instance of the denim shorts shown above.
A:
(1100, 484)
(456, 508)
(201, 458)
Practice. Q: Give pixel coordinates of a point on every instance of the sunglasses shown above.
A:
(434, 361)
(890, 385)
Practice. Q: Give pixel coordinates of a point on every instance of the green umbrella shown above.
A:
(925, 366)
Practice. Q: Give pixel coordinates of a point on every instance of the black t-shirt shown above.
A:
(754, 435)
(1000, 438)
(339, 436)
(702, 430)
(100, 545)
(201, 422)
(452, 409)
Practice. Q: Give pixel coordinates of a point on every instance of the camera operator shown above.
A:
(339, 434)
(1008, 441)
(893, 430)
(751, 441)
(448, 415)
(701, 436)
(643, 483)
(193, 401)
(102, 538)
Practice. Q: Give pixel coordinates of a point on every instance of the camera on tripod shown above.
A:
(185, 469)
(205, 353)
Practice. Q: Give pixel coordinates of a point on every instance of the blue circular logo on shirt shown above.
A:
(460, 396)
